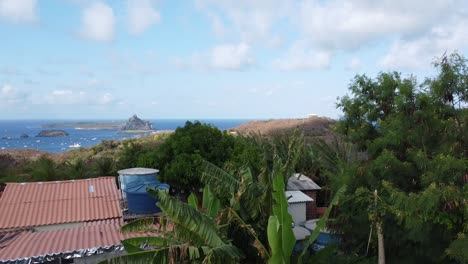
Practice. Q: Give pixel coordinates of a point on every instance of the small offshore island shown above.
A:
(52, 133)
(134, 125)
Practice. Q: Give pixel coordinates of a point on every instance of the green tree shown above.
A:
(414, 140)
(180, 156)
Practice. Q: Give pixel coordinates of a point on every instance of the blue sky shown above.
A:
(94, 59)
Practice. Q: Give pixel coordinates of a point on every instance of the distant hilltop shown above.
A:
(137, 124)
(317, 125)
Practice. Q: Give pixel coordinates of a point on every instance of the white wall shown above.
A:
(298, 212)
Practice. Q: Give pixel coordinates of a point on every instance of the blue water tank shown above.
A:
(131, 175)
(324, 238)
(139, 200)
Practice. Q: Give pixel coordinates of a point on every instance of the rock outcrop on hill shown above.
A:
(135, 123)
(52, 133)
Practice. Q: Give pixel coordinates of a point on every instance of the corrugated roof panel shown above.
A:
(29, 244)
(36, 204)
(297, 197)
(300, 182)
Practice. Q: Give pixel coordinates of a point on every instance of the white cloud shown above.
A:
(419, 52)
(332, 26)
(106, 99)
(61, 92)
(354, 64)
(231, 57)
(10, 95)
(18, 10)
(98, 22)
(300, 57)
(141, 15)
(351, 24)
(251, 21)
(7, 90)
(70, 97)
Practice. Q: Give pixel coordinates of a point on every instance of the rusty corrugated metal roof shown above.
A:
(27, 244)
(37, 204)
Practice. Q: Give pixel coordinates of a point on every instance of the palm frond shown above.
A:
(223, 254)
(158, 256)
(187, 217)
(221, 183)
(140, 225)
(148, 241)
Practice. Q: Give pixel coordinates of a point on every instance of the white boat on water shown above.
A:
(75, 145)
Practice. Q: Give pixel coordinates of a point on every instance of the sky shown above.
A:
(97, 59)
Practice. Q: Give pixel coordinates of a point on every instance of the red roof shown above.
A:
(26, 244)
(46, 203)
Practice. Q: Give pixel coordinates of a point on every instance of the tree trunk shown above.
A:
(380, 240)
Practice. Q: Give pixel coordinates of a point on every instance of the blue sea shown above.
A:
(11, 130)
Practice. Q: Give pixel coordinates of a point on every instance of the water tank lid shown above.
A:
(140, 187)
(138, 171)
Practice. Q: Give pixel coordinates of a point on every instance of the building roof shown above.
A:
(45, 203)
(35, 247)
(297, 197)
(300, 182)
(138, 171)
(300, 233)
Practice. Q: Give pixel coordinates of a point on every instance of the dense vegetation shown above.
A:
(415, 139)
(400, 148)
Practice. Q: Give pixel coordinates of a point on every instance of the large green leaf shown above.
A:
(280, 234)
(210, 203)
(189, 218)
(193, 201)
(221, 183)
(151, 241)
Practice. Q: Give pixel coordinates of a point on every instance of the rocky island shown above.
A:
(52, 133)
(136, 125)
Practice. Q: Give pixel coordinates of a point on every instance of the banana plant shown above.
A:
(185, 234)
(280, 235)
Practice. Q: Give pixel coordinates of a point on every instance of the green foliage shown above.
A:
(321, 224)
(280, 235)
(180, 156)
(105, 166)
(414, 139)
(188, 235)
(78, 169)
(44, 169)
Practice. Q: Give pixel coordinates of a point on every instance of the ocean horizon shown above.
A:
(11, 131)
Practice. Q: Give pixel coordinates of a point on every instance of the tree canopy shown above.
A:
(414, 137)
